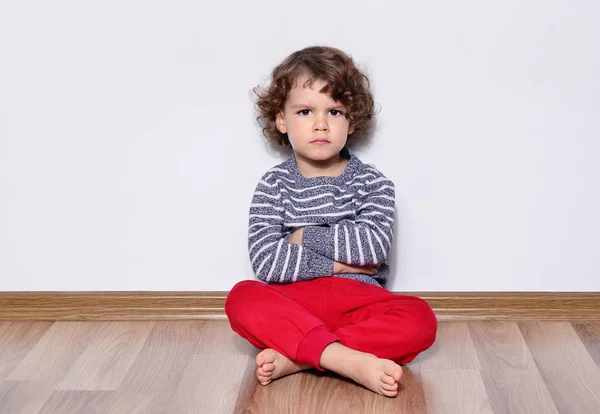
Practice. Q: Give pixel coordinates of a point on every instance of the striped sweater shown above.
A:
(348, 218)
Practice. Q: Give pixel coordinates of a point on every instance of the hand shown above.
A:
(296, 236)
(339, 267)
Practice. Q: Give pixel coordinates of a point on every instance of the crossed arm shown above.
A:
(364, 241)
(350, 246)
(338, 267)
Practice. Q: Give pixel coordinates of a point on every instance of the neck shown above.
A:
(331, 167)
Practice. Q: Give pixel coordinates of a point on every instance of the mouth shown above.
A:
(319, 141)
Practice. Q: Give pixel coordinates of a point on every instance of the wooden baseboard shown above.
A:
(114, 306)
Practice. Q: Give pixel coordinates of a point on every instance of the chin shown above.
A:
(316, 152)
(320, 155)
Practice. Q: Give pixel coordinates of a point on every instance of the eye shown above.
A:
(335, 112)
(304, 111)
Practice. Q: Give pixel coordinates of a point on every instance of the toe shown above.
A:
(393, 370)
(388, 387)
(386, 379)
(268, 367)
(265, 357)
(389, 391)
(263, 379)
(397, 373)
(390, 394)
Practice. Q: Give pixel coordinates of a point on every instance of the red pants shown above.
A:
(300, 319)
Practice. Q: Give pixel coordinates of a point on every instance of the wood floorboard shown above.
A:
(16, 340)
(56, 352)
(510, 375)
(152, 381)
(455, 391)
(218, 339)
(105, 362)
(453, 349)
(330, 393)
(202, 366)
(520, 391)
(281, 396)
(500, 345)
(589, 333)
(202, 391)
(567, 368)
(24, 396)
(76, 402)
(248, 387)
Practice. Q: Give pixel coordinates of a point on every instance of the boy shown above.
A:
(319, 235)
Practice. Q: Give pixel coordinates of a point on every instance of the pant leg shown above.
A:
(281, 317)
(378, 322)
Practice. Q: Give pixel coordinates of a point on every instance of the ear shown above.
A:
(350, 129)
(280, 122)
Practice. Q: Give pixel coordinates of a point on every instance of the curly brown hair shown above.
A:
(345, 83)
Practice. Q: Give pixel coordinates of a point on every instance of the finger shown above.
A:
(363, 269)
(366, 271)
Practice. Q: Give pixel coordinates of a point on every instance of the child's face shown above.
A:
(308, 116)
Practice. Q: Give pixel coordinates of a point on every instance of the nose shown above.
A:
(320, 123)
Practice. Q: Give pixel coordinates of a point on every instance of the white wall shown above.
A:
(129, 152)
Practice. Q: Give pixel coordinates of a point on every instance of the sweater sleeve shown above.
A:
(273, 259)
(367, 239)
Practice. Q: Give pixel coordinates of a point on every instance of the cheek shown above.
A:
(298, 124)
(342, 125)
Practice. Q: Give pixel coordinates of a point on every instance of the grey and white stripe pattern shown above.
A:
(348, 218)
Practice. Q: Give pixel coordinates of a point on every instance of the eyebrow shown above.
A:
(298, 106)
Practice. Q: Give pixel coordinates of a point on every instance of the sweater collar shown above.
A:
(349, 172)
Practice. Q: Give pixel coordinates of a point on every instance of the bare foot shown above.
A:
(271, 365)
(379, 375)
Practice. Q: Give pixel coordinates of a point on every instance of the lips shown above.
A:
(319, 141)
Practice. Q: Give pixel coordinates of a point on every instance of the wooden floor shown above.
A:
(203, 367)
